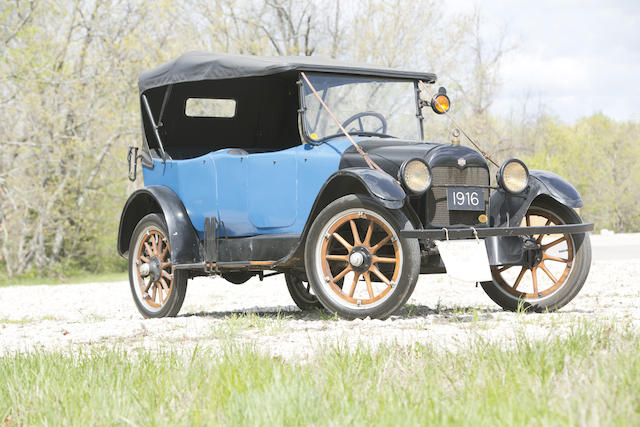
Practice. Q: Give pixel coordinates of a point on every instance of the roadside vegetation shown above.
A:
(77, 277)
(591, 376)
(69, 106)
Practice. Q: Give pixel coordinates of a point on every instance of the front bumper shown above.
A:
(456, 233)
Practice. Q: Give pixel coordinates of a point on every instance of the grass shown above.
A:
(237, 323)
(28, 280)
(589, 377)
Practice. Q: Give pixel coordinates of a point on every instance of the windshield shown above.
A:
(364, 106)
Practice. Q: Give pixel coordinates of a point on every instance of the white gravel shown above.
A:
(441, 312)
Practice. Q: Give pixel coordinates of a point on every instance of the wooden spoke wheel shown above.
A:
(158, 289)
(361, 258)
(153, 267)
(558, 271)
(356, 263)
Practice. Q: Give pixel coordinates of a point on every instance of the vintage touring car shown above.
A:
(321, 170)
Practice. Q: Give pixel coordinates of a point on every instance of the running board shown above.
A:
(231, 265)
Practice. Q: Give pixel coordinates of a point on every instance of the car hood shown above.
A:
(389, 154)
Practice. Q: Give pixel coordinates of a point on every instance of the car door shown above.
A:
(272, 194)
(256, 193)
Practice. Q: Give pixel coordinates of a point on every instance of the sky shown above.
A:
(572, 58)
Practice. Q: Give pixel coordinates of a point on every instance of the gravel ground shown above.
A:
(441, 312)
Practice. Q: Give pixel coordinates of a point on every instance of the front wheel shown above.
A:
(357, 264)
(562, 266)
(158, 289)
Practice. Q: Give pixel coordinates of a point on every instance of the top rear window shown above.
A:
(210, 107)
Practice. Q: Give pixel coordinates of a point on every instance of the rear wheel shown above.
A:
(158, 290)
(301, 292)
(564, 263)
(357, 264)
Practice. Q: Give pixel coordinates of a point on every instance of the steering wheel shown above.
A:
(381, 130)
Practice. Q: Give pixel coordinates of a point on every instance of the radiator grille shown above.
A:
(438, 213)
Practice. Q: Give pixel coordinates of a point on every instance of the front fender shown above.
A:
(508, 209)
(183, 238)
(381, 186)
(557, 187)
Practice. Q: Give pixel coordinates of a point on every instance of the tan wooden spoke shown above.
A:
(340, 239)
(548, 281)
(147, 286)
(519, 278)
(155, 248)
(367, 278)
(342, 274)
(149, 249)
(380, 244)
(540, 236)
(354, 231)
(354, 284)
(383, 259)
(554, 258)
(534, 280)
(555, 242)
(367, 237)
(334, 259)
(378, 273)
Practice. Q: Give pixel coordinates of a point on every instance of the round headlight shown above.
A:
(415, 175)
(440, 104)
(513, 176)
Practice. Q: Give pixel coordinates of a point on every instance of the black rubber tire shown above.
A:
(176, 297)
(299, 294)
(574, 282)
(410, 263)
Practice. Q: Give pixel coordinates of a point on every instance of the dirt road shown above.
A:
(441, 312)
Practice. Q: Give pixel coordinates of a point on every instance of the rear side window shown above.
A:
(210, 107)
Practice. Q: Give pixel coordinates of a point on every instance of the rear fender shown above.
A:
(509, 210)
(183, 238)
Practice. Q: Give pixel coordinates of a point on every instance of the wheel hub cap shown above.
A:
(360, 259)
(356, 259)
(155, 269)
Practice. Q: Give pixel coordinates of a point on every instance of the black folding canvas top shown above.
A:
(198, 66)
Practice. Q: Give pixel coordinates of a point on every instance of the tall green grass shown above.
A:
(589, 377)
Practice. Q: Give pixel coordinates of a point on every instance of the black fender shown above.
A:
(382, 187)
(509, 209)
(183, 238)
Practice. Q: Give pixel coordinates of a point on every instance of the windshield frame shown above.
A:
(302, 111)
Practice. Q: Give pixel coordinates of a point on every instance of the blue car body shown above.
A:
(261, 193)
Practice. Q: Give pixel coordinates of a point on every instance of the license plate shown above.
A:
(465, 259)
(465, 199)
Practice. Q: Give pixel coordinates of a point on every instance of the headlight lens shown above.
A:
(415, 175)
(514, 176)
